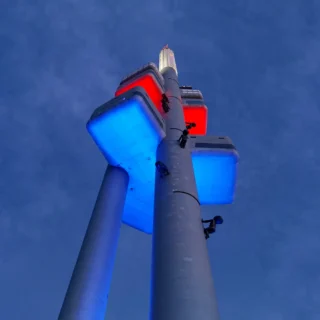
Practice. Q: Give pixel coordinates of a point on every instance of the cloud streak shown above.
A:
(257, 65)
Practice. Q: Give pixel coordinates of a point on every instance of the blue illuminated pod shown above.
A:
(214, 162)
(127, 130)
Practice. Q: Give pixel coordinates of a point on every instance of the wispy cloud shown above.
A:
(257, 64)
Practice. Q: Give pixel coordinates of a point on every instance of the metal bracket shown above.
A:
(162, 169)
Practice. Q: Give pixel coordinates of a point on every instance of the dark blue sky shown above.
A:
(257, 64)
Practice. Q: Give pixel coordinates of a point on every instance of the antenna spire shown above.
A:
(167, 59)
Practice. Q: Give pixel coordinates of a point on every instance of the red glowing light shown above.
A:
(198, 115)
(150, 84)
(195, 113)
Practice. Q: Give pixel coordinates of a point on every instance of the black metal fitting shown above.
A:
(190, 125)
(183, 139)
(185, 135)
(212, 225)
(165, 103)
(162, 169)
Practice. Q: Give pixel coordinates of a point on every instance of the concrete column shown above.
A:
(182, 285)
(87, 294)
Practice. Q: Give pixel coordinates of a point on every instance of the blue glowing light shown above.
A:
(128, 130)
(215, 175)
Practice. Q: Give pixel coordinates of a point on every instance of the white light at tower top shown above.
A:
(167, 59)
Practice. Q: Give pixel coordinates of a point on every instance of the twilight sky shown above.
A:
(257, 64)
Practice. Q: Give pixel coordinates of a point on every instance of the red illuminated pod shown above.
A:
(197, 114)
(148, 83)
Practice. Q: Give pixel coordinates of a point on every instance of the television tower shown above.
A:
(161, 168)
